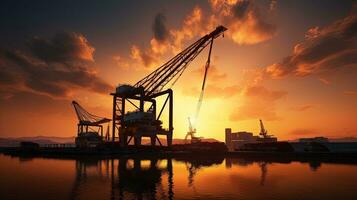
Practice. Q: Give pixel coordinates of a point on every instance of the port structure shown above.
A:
(89, 127)
(144, 122)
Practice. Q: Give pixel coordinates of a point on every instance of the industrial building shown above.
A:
(238, 140)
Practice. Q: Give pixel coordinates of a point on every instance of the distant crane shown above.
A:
(191, 133)
(144, 122)
(89, 127)
(263, 131)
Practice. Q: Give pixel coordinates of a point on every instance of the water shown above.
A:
(220, 178)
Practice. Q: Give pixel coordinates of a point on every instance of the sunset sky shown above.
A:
(292, 64)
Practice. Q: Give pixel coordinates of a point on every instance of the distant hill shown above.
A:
(342, 139)
(11, 142)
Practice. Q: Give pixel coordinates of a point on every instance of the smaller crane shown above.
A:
(263, 131)
(90, 127)
(191, 132)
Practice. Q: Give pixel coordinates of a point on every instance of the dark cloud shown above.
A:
(247, 23)
(51, 68)
(240, 9)
(62, 47)
(324, 49)
(159, 28)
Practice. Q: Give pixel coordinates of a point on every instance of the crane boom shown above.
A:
(84, 117)
(158, 79)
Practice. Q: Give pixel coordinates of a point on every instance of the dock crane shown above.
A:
(89, 127)
(264, 133)
(145, 122)
(191, 133)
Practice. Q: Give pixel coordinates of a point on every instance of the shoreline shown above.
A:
(254, 156)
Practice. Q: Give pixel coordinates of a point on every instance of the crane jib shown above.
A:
(158, 79)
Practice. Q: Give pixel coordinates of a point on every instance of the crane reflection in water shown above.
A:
(128, 178)
(149, 178)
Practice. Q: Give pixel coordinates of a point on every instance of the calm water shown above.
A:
(40, 178)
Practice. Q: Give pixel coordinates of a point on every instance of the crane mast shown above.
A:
(146, 122)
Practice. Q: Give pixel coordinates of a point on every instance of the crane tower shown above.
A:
(145, 120)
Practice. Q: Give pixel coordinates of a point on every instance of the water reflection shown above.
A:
(136, 178)
(129, 178)
(263, 165)
(144, 182)
(194, 164)
(174, 178)
(140, 178)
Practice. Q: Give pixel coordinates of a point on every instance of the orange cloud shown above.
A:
(146, 57)
(324, 81)
(262, 92)
(245, 21)
(304, 132)
(191, 27)
(350, 93)
(214, 91)
(323, 50)
(258, 102)
(213, 74)
(246, 25)
(119, 61)
(302, 107)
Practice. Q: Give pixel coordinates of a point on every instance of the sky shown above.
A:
(292, 64)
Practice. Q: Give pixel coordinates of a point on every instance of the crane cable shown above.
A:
(199, 103)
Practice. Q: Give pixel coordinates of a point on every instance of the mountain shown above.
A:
(12, 142)
(343, 139)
